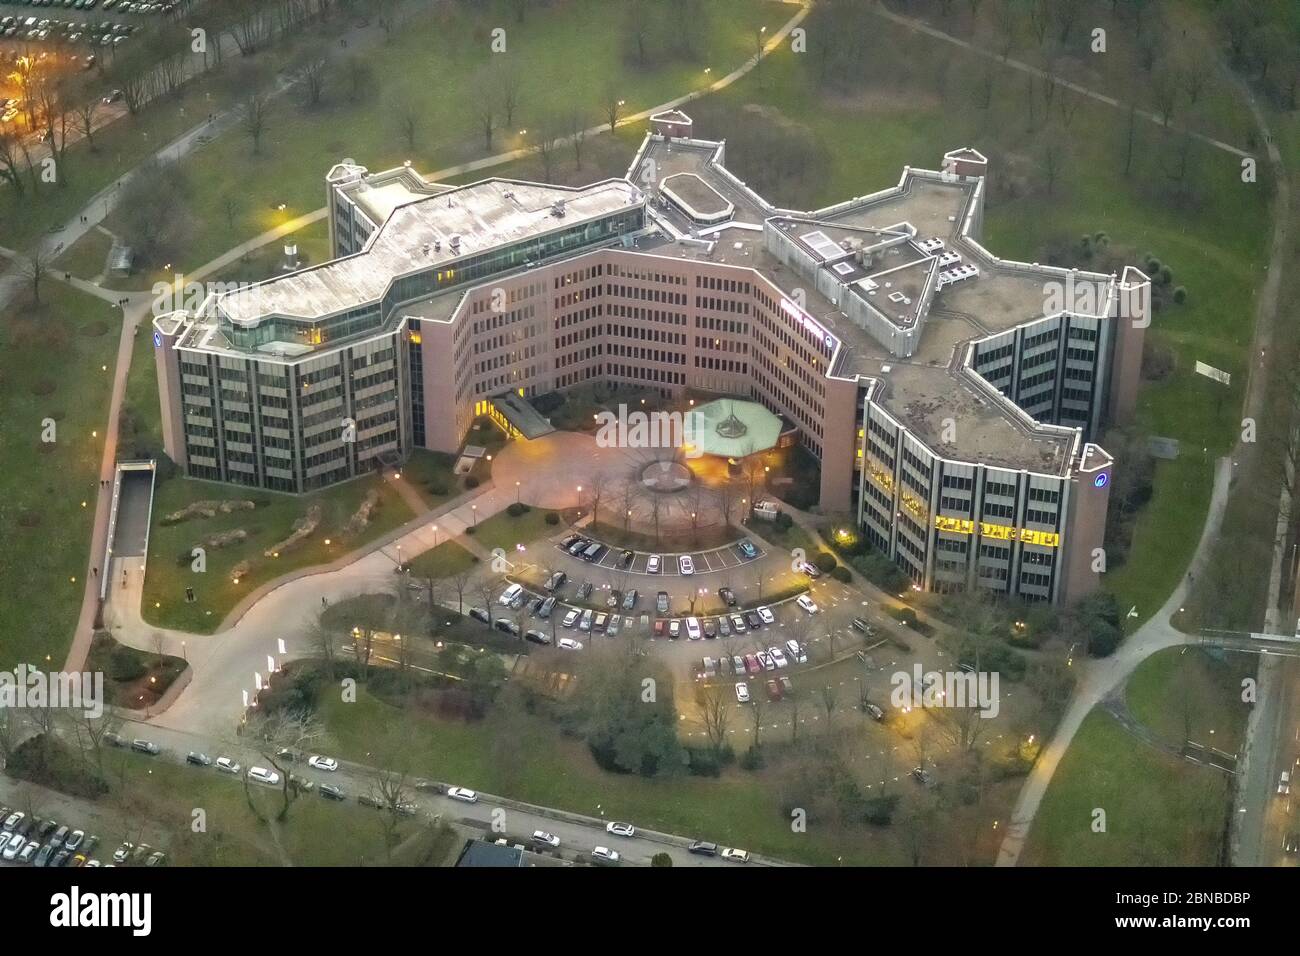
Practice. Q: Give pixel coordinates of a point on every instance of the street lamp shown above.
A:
(435, 536)
(474, 511)
(516, 492)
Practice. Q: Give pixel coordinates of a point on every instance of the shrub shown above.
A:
(1180, 294)
(1166, 275)
(782, 521)
(552, 518)
(125, 665)
(703, 762)
(437, 487)
(661, 859)
(879, 811)
(471, 482)
(825, 562)
(752, 759)
(516, 509)
(841, 574)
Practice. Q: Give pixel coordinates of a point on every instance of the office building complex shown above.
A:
(952, 398)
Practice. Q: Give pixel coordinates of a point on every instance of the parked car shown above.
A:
(598, 625)
(765, 659)
(753, 620)
(74, 840)
(1284, 783)
(578, 546)
(604, 856)
(13, 845)
(570, 618)
(752, 666)
(724, 626)
(797, 656)
(747, 548)
(922, 776)
(28, 852)
(331, 792)
(701, 848)
(625, 559)
(547, 606)
(114, 740)
(873, 711)
(556, 581)
(620, 829)
(584, 590)
(615, 625)
(685, 564)
(860, 625)
(809, 569)
(13, 819)
(537, 637)
(742, 692)
(263, 775)
(765, 615)
(123, 851)
(59, 836)
(652, 564)
(661, 602)
(569, 540)
(660, 627)
(778, 657)
(787, 688)
(506, 626)
(710, 627)
(737, 664)
(629, 599)
(198, 759)
(480, 614)
(674, 628)
(735, 856)
(737, 623)
(542, 838)
(227, 765)
(693, 631)
(773, 690)
(807, 603)
(509, 594)
(728, 596)
(588, 616)
(463, 794)
(568, 644)
(317, 762)
(43, 855)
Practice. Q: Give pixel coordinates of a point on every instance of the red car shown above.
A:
(773, 690)
(752, 666)
(659, 627)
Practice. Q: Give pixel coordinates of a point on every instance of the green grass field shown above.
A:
(216, 590)
(52, 359)
(1193, 694)
(445, 560)
(532, 762)
(1159, 810)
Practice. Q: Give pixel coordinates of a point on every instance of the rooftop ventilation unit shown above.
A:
(557, 209)
(454, 242)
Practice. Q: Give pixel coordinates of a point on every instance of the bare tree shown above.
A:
(254, 113)
(715, 710)
(281, 737)
(314, 71)
(577, 134)
(828, 697)
(406, 114)
(509, 84)
(34, 268)
(459, 582)
(612, 106)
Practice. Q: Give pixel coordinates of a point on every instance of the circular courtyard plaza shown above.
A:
(672, 490)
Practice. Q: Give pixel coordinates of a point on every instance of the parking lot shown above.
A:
(724, 558)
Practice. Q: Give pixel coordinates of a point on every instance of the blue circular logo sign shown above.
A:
(1101, 480)
(157, 339)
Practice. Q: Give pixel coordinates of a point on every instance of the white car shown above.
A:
(807, 603)
(542, 838)
(509, 594)
(33, 847)
(568, 644)
(603, 854)
(766, 614)
(328, 764)
(778, 658)
(685, 565)
(693, 628)
(14, 819)
(621, 829)
(14, 846)
(463, 794)
(765, 660)
(742, 692)
(797, 654)
(1284, 784)
(735, 856)
(227, 765)
(652, 564)
(262, 775)
(570, 618)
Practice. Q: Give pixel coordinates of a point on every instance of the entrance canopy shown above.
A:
(733, 429)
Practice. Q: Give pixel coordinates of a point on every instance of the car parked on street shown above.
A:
(198, 759)
(317, 762)
(742, 692)
(463, 794)
(263, 775)
(542, 838)
(228, 765)
(728, 596)
(604, 856)
(620, 829)
(807, 603)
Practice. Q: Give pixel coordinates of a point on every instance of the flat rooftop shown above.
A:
(931, 386)
(417, 235)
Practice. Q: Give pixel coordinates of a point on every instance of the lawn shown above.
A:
(52, 359)
(505, 531)
(1193, 694)
(318, 832)
(574, 46)
(447, 559)
(86, 257)
(533, 762)
(216, 590)
(1160, 810)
